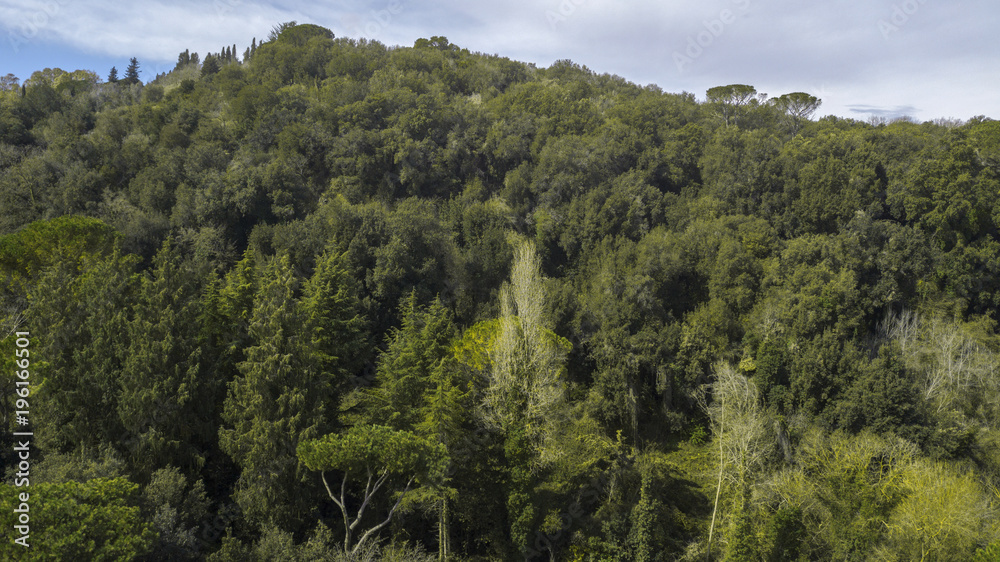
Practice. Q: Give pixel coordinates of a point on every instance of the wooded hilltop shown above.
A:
(333, 300)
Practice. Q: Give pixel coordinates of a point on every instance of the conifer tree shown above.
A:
(404, 370)
(86, 309)
(210, 66)
(161, 404)
(113, 75)
(183, 59)
(280, 398)
(132, 72)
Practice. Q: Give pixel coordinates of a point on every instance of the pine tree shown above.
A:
(132, 72)
(279, 399)
(86, 309)
(183, 59)
(404, 370)
(210, 66)
(330, 308)
(113, 76)
(161, 391)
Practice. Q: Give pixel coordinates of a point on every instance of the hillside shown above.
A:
(333, 300)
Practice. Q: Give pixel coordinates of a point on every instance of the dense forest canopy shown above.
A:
(333, 300)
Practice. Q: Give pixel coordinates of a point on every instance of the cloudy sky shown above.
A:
(922, 58)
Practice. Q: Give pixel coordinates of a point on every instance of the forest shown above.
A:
(336, 300)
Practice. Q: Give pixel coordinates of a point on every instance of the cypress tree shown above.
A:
(160, 387)
(278, 399)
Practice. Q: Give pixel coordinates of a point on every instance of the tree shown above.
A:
(526, 359)
(210, 66)
(330, 311)
(132, 72)
(113, 76)
(86, 307)
(183, 59)
(9, 83)
(377, 455)
(414, 351)
(277, 30)
(94, 520)
(731, 101)
(941, 517)
(742, 432)
(847, 487)
(800, 106)
(279, 399)
(165, 403)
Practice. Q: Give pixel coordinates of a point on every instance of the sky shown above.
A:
(925, 59)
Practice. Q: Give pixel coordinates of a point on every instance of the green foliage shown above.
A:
(94, 520)
(374, 449)
(510, 283)
(26, 253)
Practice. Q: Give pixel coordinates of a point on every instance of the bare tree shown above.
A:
(950, 364)
(741, 430)
(527, 358)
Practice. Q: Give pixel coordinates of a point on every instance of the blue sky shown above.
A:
(922, 58)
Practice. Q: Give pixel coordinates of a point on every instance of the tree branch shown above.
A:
(374, 529)
(340, 504)
(368, 496)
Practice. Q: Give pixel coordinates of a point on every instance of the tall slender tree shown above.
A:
(132, 72)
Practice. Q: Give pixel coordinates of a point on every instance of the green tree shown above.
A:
(165, 402)
(798, 106)
(376, 455)
(132, 72)
(731, 102)
(94, 520)
(86, 307)
(337, 336)
(415, 351)
(279, 399)
(210, 65)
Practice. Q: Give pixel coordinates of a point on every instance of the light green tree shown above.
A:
(380, 457)
(526, 359)
(742, 434)
(94, 520)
